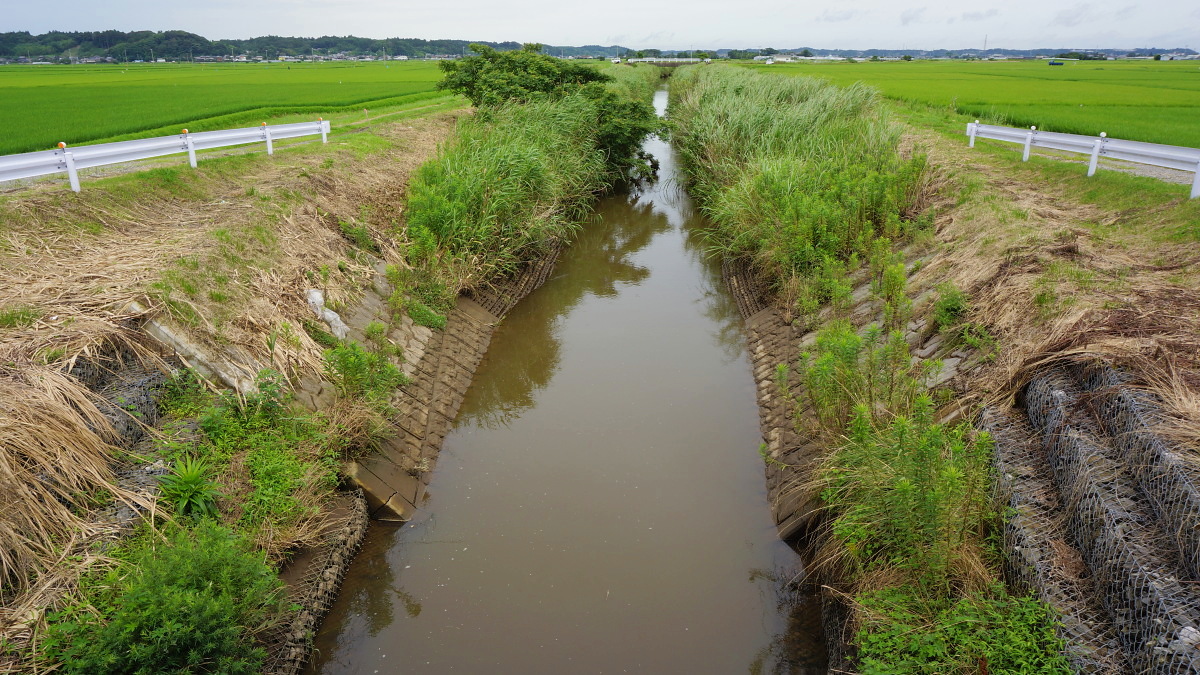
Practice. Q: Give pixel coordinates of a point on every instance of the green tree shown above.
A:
(491, 77)
(806, 52)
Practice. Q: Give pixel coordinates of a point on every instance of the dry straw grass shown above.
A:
(79, 263)
(1051, 278)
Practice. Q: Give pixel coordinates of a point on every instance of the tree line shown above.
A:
(182, 45)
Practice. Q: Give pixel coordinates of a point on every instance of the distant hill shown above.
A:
(181, 45)
(177, 45)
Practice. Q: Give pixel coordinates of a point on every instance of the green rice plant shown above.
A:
(1151, 101)
(89, 104)
(195, 603)
(190, 490)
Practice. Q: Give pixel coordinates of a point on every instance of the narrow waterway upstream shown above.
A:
(599, 506)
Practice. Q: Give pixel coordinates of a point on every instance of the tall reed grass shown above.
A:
(806, 179)
(794, 172)
(517, 177)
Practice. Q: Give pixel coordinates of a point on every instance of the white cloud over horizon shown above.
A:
(851, 24)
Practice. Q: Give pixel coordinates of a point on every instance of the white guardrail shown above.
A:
(71, 160)
(1169, 156)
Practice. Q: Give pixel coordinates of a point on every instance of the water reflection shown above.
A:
(600, 263)
(599, 504)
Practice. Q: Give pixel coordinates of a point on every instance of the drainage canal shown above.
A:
(599, 505)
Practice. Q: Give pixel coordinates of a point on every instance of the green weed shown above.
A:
(950, 308)
(18, 316)
(189, 489)
(361, 373)
(992, 630)
(195, 603)
(424, 316)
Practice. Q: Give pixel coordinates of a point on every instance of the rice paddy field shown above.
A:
(42, 105)
(1154, 101)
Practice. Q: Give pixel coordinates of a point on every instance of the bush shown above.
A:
(910, 494)
(950, 307)
(362, 374)
(192, 605)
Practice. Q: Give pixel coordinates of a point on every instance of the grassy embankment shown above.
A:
(255, 232)
(43, 105)
(222, 254)
(1154, 101)
(805, 179)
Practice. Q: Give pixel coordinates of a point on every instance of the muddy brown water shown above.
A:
(599, 506)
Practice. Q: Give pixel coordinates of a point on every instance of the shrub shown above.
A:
(950, 307)
(361, 373)
(910, 494)
(192, 605)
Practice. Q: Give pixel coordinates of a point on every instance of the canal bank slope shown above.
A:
(309, 281)
(1010, 276)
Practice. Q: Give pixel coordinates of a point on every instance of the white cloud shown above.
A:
(912, 16)
(847, 24)
(980, 16)
(1071, 16)
(837, 17)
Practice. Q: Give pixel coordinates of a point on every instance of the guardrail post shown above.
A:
(1096, 154)
(324, 129)
(267, 134)
(1196, 182)
(972, 129)
(191, 148)
(69, 160)
(1028, 143)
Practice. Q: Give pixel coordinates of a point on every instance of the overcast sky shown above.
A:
(674, 24)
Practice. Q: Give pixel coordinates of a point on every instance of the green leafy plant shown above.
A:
(989, 629)
(950, 307)
(184, 394)
(190, 489)
(195, 604)
(319, 335)
(361, 373)
(358, 235)
(424, 316)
